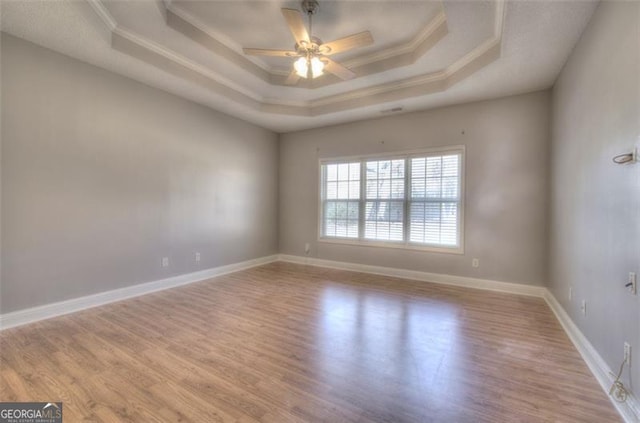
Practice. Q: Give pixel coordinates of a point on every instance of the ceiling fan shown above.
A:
(311, 51)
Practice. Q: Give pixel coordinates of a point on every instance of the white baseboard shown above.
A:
(47, 311)
(513, 288)
(629, 410)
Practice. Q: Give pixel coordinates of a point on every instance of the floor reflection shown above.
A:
(404, 347)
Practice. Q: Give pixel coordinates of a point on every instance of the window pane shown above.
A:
(330, 210)
(332, 190)
(434, 167)
(352, 211)
(416, 234)
(432, 223)
(450, 187)
(396, 231)
(449, 225)
(384, 188)
(450, 165)
(332, 172)
(384, 169)
(435, 195)
(397, 188)
(397, 169)
(330, 228)
(372, 170)
(418, 188)
(341, 210)
(354, 190)
(385, 179)
(342, 191)
(341, 228)
(352, 229)
(354, 171)
(433, 187)
(384, 220)
(396, 211)
(418, 166)
(343, 172)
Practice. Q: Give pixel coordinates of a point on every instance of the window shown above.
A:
(411, 200)
(341, 205)
(384, 206)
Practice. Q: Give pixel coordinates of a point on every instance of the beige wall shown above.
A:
(103, 176)
(507, 143)
(595, 204)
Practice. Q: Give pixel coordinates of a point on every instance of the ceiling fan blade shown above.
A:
(296, 25)
(360, 39)
(337, 69)
(292, 79)
(269, 52)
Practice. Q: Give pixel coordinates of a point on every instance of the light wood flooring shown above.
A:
(289, 343)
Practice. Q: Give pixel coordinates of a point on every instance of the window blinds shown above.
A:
(412, 200)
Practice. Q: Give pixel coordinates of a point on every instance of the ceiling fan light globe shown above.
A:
(301, 67)
(317, 67)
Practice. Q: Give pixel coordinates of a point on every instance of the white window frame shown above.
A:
(406, 244)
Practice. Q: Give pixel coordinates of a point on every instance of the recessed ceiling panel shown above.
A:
(426, 54)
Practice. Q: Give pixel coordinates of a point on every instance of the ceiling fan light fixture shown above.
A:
(303, 65)
(317, 67)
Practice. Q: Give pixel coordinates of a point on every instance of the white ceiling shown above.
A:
(425, 54)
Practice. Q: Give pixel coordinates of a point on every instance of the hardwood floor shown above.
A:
(289, 343)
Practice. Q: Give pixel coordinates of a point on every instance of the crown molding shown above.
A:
(102, 12)
(194, 29)
(437, 25)
(119, 33)
(132, 44)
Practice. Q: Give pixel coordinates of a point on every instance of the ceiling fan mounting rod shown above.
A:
(310, 7)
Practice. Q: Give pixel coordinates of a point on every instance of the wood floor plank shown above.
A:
(285, 343)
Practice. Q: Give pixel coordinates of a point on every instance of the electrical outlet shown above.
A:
(197, 257)
(632, 286)
(475, 262)
(165, 261)
(627, 353)
(307, 248)
(583, 307)
(570, 293)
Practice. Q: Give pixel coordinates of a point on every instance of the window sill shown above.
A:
(399, 245)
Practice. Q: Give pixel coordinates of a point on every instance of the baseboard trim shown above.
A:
(47, 311)
(629, 410)
(463, 281)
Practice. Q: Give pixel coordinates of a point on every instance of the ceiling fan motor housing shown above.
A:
(304, 48)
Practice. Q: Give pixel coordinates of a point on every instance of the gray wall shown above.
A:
(103, 176)
(595, 204)
(507, 143)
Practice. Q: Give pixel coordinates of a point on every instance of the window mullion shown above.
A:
(323, 196)
(363, 194)
(407, 199)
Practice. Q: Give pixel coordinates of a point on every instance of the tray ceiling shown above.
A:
(425, 54)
